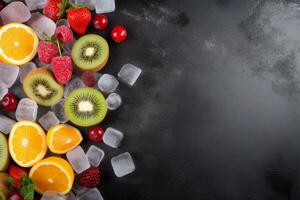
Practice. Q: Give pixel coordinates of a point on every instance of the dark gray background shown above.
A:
(215, 113)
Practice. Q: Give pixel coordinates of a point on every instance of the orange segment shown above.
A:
(27, 143)
(52, 174)
(18, 43)
(63, 138)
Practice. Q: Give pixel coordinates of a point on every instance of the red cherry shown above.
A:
(100, 22)
(9, 102)
(119, 34)
(95, 134)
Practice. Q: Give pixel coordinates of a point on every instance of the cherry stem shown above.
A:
(58, 45)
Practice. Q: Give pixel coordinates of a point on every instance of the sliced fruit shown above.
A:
(90, 52)
(63, 138)
(27, 143)
(85, 107)
(5, 188)
(18, 43)
(41, 86)
(4, 155)
(52, 174)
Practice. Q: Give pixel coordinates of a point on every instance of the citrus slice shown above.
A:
(63, 138)
(18, 43)
(27, 143)
(52, 174)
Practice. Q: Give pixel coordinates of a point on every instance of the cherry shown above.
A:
(9, 102)
(95, 134)
(100, 22)
(119, 33)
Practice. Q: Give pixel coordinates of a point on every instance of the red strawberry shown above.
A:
(62, 68)
(90, 178)
(64, 34)
(79, 19)
(16, 173)
(46, 51)
(55, 9)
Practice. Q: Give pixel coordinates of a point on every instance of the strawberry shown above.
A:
(90, 178)
(46, 51)
(16, 173)
(55, 9)
(79, 19)
(62, 68)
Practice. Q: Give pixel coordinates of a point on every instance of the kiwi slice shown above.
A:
(90, 52)
(4, 155)
(85, 107)
(41, 86)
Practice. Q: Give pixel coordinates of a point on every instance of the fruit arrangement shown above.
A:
(58, 64)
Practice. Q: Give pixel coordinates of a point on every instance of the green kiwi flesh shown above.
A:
(90, 52)
(4, 155)
(85, 107)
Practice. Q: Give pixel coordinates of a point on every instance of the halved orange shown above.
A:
(52, 174)
(27, 143)
(63, 138)
(18, 43)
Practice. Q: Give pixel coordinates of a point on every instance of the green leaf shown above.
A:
(27, 188)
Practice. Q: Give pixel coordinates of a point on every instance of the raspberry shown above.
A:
(88, 78)
(90, 178)
(62, 68)
(46, 51)
(64, 34)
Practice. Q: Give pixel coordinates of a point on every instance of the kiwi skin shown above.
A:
(4, 158)
(42, 72)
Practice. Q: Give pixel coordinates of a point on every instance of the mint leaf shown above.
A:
(27, 188)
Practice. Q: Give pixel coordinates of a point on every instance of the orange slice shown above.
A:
(52, 174)
(63, 138)
(18, 43)
(27, 143)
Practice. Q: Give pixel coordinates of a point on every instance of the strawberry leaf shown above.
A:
(27, 188)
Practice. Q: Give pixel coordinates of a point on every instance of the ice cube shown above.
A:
(67, 47)
(15, 12)
(122, 164)
(25, 69)
(43, 25)
(108, 83)
(51, 195)
(8, 74)
(3, 90)
(6, 124)
(48, 120)
(62, 22)
(72, 85)
(88, 3)
(105, 6)
(113, 101)
(90, 194)
(27, 110)
(129, 74)
(95, 155)
(113, 137)
(78, 160)
(35, 4)
(71, 196)
(59, 111)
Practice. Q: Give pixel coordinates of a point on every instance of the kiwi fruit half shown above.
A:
(85, 107)
(90, 52)
(4, 155)
(41, 86)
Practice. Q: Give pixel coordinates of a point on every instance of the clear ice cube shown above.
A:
(108, 83)
(51, 195)
(42, 25)
(129, 74)
(90, 194)
(122, 164)
(3, 90)
(114, 101)
(78, 160)
(35, 4)
(62, 22)
(67, 48)
(71, 196)
(6, 124)
(59, 111)
(25, 69)
(88, 3)
(105, 6)
(95, 155)
(48, 120)
(27, 110)
(113, 137)
(72, 85)
(8, 74)
(15, 12)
